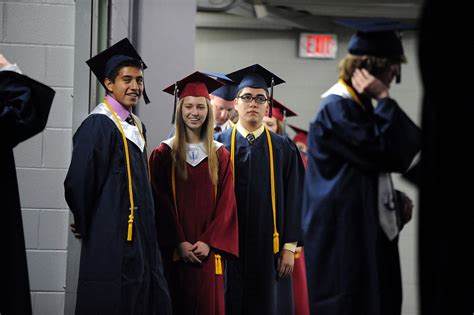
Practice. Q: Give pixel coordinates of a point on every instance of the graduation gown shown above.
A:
(116, 276)
(253, 286)
(24, 110)
(195, 289)
(352, 267)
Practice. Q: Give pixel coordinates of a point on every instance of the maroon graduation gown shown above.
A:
(195, 289)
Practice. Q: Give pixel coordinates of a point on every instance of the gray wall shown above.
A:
(39, 37)
(166, 42)
(228, 50)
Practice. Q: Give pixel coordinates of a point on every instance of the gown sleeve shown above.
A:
(293, 181)
(89, 168)
(383, 140)
(24, 107)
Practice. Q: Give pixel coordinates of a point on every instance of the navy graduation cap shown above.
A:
(104, 63)
(257, 77)
(376, 37)
(226, 92)
(196, 84)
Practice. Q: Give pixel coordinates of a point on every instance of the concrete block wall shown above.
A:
(39, 36)
(226, 50)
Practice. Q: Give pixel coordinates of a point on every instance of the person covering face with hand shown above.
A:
(353, 215)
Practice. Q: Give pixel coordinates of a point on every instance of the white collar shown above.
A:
(195, 152)
(132, 133)
(337, 89)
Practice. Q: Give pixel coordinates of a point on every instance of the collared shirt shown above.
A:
(244, 132)
(121, 111)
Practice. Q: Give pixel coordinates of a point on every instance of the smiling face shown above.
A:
(194, 112)
(127, 87)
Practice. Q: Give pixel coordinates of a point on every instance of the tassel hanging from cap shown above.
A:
(176, 91)
(271, 98)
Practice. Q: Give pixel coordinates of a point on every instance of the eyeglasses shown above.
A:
(248, 98)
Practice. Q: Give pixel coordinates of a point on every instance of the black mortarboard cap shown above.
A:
(257, 77)
(103, 64)
(195, 84)
(226, 92)
(376, 37)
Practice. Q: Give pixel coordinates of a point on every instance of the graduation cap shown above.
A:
(104, 63)
(256, 77)
(226, 92)
(196, 84)
(301, 134)
(377, 37)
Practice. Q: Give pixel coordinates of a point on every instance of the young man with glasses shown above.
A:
(268, 179)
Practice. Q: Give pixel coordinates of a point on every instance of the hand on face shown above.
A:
(365, 83)
(127, 87)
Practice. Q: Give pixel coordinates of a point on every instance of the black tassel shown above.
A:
(270, 114)
(176, 91)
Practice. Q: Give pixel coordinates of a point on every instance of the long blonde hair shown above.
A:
(207, 136)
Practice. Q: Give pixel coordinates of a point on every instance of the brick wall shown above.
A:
(39, 36)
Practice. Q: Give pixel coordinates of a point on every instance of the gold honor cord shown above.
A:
(352, 92)
(217, 257)
(129, 172)
(276, 236)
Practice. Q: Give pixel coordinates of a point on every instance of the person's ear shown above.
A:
(109, 85)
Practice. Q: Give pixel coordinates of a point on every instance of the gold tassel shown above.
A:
(297, 255)
(130, 227)
(218, 261)
(276, 243)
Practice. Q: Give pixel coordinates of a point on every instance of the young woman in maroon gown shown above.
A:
(195, 206)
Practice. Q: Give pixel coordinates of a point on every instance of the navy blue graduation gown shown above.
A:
(252, 283)
(116, 276)
(24, 110)
(352, 267)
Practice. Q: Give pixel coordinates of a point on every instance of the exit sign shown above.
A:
(318, 45)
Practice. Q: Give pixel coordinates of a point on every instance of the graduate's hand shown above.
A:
(3, 62)
(74, 231)
(286, 263)
(365, 83)
(201, 250)
(186, 253)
